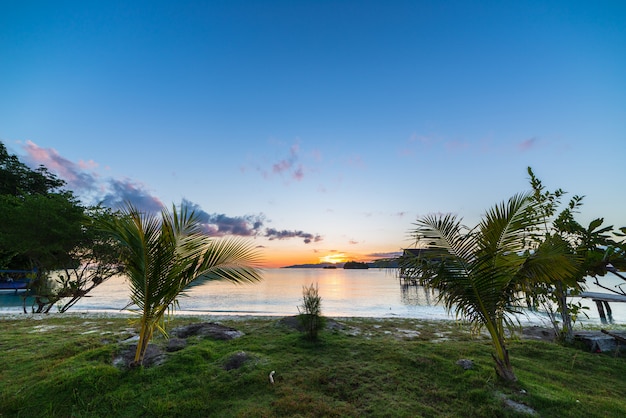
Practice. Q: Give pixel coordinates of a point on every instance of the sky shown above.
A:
(321, 130)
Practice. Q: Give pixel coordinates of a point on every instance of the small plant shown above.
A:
(310, 316)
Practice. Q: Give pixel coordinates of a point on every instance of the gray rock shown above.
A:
(175, 344)
(236, 360)
(465, 364)
(207, 329)
(154, 356)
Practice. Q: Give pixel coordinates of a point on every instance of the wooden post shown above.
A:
(601, 311)
(609, 313)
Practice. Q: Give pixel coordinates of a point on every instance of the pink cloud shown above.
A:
(456, 145)
(67, 170)
(527, 144)
(281, 166)
(81, 179)
(356, 161)
(88, 165)
(299, 173)
(289, 166)
(416, 143)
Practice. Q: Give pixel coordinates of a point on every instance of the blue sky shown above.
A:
(319, 128)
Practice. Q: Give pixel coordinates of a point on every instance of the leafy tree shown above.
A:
(17, 179)
(164, 256)
(481, 273)
(37, 217)
(594, 245)
(94, 259)
(44, 227)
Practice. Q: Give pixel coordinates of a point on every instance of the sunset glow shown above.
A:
(333, 258)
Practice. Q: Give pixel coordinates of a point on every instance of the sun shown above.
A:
(333, 258)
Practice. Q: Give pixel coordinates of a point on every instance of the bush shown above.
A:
(310, 316)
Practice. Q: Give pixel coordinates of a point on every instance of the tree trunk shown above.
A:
(142, 345)
(567, 333)
(501, 356)
(504, 368)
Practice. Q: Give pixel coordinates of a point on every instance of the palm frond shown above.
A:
(165, 254)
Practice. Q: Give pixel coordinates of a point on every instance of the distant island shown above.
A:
(382, 263)
(355, 265)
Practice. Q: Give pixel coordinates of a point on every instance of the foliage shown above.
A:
(40, 222)
(39, 230)
(164, 256)
(17, 179)
(594, 246)
(43, 226)
(93, 260)
(480, 273)
(310, 316)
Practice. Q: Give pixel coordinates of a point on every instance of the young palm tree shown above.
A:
(481, 273)
(164, 256)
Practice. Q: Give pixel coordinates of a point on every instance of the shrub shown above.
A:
(310, 316)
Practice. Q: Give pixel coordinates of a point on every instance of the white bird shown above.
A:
(272, 377)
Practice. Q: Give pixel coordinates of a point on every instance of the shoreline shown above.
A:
(235, 317)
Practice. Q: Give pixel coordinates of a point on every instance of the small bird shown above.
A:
(272, 377)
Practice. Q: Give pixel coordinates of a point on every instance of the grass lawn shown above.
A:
(62, 366)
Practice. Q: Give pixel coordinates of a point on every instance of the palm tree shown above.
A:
(164, 256)
(481, 273)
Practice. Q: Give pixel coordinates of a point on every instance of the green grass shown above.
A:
(61, 366)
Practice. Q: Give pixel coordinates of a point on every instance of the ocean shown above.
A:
(345, 293)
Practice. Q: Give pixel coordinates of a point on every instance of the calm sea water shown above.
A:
(345, 293)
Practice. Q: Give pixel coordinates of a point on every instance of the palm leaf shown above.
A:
(165, 255)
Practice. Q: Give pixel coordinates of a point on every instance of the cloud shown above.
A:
(114, 193)
(73, 174)
(417, 143)
(289, 166)
(273, 234)
(122, 191)
(81, 179)
(356, 161)
(455, 146)
(390, 254)
(527, 144)
(219, 224)
(248, 226)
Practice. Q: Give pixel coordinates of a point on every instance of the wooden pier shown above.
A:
(602, 341)
(602, 302)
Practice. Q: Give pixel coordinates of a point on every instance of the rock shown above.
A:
(175, 344)
(539, 333)
(236, 360)
(293, 323)
(154, 356)
(518, 407)
(207, 329)
(465, 364)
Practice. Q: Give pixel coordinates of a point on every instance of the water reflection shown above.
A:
(416, 295)
(359, 293)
